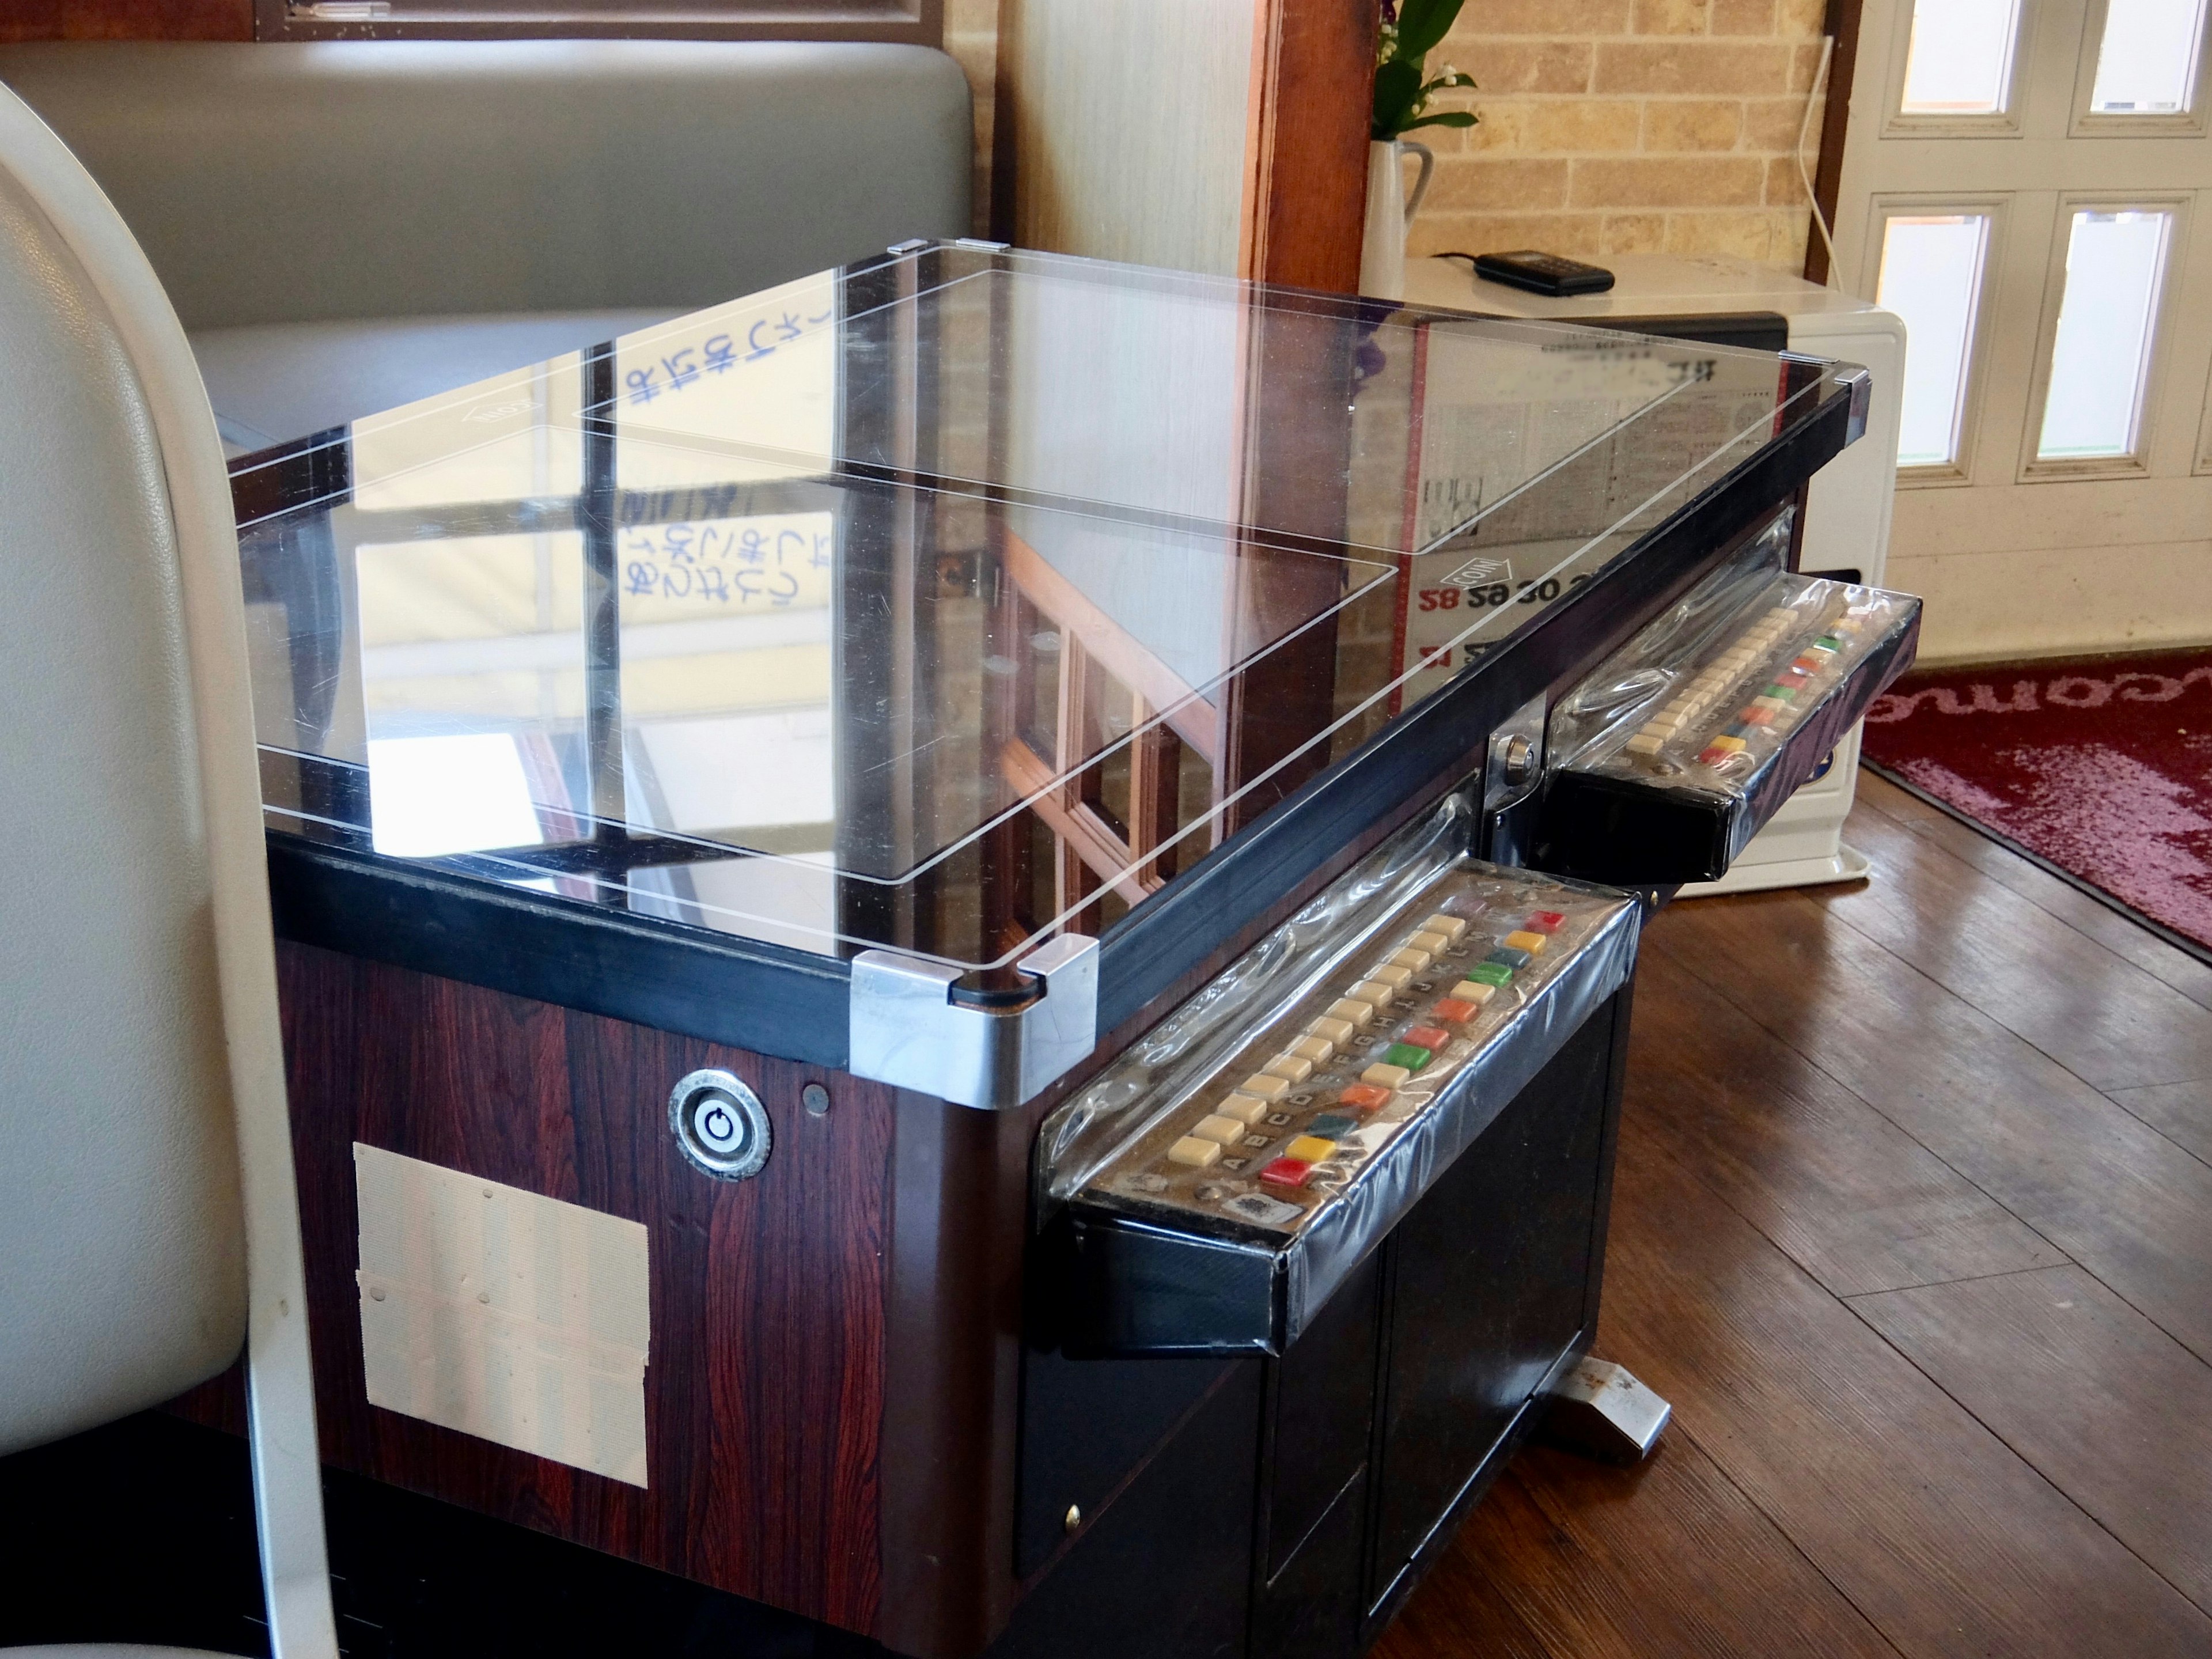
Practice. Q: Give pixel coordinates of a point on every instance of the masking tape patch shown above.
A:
(506, 1315)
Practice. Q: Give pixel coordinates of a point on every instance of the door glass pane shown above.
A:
(1931, 276)
(2114, 260)
(2147, 63)
(1960, 61)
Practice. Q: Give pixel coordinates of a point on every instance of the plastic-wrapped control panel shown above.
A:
(1668, 760)
(1213, 1187)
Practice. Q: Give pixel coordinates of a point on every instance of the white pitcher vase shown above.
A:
(1389, 215)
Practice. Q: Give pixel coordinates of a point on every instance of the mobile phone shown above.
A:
(1543, 273)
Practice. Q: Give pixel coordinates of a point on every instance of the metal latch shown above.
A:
(909, 1027)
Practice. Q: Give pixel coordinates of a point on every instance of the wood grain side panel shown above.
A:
(763, 1390)
(127, 19)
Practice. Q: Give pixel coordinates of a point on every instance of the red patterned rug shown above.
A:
(2100, 768)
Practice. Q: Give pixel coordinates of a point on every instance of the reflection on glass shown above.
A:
(510, 438)
(431, 797)
(1959, 61)
(950, 601)
(725, 673)
(2100, 360)
(2147, 62)
(734, 394)
(1931, 276)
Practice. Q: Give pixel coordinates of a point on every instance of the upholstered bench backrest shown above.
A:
(290, 183)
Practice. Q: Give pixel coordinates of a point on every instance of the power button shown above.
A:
(720, 1124)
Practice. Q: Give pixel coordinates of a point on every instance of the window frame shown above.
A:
(2001, 123)
(2086, 123)
(2136, 464)
(1997, 208)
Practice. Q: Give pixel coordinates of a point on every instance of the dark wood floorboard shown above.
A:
(1877, 796)
(1845, 1193)
(2085, 1388)
(2104, 1019)
(2182, 1112)
(1855, 1157)
(1917, 1513)
(1668, 1558)
(2103, 1186)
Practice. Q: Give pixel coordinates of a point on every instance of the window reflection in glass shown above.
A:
(2147, 61)
(1959, 61)
(726, 678)
(2101, 358)
(431, 797)
(1931, 276)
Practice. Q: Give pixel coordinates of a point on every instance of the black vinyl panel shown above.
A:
(1489, 1278)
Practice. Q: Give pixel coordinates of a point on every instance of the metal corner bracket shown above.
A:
(1861, 383)
(907, 1030)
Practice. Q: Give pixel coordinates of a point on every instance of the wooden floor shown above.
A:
(1913, 1225)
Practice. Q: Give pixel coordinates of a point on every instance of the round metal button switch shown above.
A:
(720, 1125)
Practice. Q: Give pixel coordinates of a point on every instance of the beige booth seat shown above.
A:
(345, 227)
(149, 1224)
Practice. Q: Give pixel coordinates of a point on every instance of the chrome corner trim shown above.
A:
(905, 1029)
(1861, 381)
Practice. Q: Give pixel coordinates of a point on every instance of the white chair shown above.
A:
(148, 1215)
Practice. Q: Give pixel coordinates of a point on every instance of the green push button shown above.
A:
(1407, 1054)
(1491, 973)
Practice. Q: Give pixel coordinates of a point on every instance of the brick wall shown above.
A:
(1627, 126)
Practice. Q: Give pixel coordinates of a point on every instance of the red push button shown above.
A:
(1286, 1172)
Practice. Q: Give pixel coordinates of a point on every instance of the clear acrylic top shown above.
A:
(943, 602)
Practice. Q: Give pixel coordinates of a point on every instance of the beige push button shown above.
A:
(1241, 1107)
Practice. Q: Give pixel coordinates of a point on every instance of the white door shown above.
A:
(2028, 183)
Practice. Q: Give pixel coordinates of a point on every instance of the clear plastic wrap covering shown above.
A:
(1326, 1126)
(1640, 675)
(1713, 715)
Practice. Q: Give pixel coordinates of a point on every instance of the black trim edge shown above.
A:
(765, 998)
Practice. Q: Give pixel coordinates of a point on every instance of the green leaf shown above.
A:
(1458, 118)
(1397, 86)
(1422, 23)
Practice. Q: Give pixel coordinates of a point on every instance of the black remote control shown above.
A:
(1543, 273)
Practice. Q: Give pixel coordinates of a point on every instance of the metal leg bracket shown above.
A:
(1600, 1411)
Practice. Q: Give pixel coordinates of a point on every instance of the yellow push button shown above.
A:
(1523, 939)
(1310, 1149)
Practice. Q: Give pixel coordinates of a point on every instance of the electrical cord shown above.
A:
(1804, 127)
